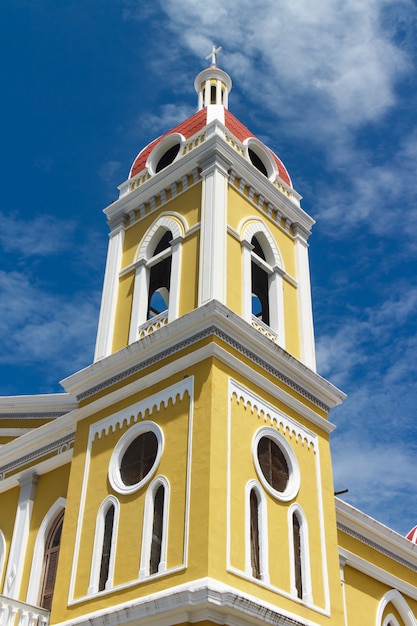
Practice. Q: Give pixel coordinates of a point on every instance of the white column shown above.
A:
(140, 300)
(276, 304)
(20, 535)
(175, 280)
(247, 281)
(213, 258)
(110, 292)
(305, 309)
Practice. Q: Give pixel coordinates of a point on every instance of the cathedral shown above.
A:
(185, 476)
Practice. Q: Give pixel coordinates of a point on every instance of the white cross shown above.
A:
(213, 55)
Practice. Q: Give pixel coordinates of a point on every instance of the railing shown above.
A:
(264, 328)
(15, 613)
(153, 324)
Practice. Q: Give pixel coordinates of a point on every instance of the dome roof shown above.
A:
(193, 125)
(412, 535)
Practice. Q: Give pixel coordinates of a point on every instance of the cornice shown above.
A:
(279, 199)
(211, 319)
(197, 601)
(372, 533)
(36, 406)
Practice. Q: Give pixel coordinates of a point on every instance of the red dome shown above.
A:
(193, 125)
(412, 535)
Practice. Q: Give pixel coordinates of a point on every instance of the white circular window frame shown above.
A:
(163, 146)
(293, 484)
(122, 445)
(263, 153)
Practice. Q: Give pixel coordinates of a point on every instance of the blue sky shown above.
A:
(330, 86)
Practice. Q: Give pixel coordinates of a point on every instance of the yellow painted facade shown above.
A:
(156, 451)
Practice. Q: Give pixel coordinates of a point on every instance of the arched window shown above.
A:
(157, 276)
(160, 277)
(102, 567)
(256, 533)
(50, 563)
(106, 548)
(298, 575)
(255, 556)
(2, 553)
(263, 297)
(154, 535)
(260, 283)
(300, 555)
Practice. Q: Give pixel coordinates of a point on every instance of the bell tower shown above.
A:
(200, 488)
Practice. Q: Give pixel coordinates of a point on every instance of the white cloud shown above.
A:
(169, 116)
(42, 235)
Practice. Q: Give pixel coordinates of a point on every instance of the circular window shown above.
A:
(276, 464)
(135, 457)
(166, 151)
(261, 158)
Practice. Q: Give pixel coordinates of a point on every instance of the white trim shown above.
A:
(213, 231)
(147, 531)
(265, 156)
(390, 620)
(109, 296)
(35, 578)
(2, 553)
(305, 308)
(293, 484)
(144, 260)
(20, 536)
(122, 445)
(134, 412)
(373, 571)
(307, 595)
(98, 545)
(252, 485)
(393, 596)
(161, 147)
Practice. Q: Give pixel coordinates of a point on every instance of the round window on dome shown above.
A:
(276, 464)
(257, 162)
(136, 457)
(167, 158)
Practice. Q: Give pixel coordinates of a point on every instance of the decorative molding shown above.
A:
(211, 330)
(376, 546)
(30, 416)
(59, 446)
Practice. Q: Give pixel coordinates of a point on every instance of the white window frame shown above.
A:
(253, 227)
(147, 528)
(305, 554)
(122, 445)
(263, 533)
(2, 553)
(35, 578)
(98, 546)
(398, 601)
(143, 263)
(293, 485)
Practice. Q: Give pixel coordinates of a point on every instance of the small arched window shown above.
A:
(106, 548)
(260, 283)
(157, 530)
(255, 555)
(50, 563)
(160, 277)
(298, 575)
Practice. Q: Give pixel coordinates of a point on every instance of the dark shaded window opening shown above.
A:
(254, 535)
(158, 517)
(297, 555)
(106, 551)
(222, 96)
(50, 563)
(160, 279)
(139, 458)
(213, 94)
(273, 464)
(167, 158)
(260, 286)
(257, 162)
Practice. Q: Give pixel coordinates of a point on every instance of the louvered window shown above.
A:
(51, 562)
(157, 527)
(106, 551)
(297, 555)
(254, 535)
(273, 464)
